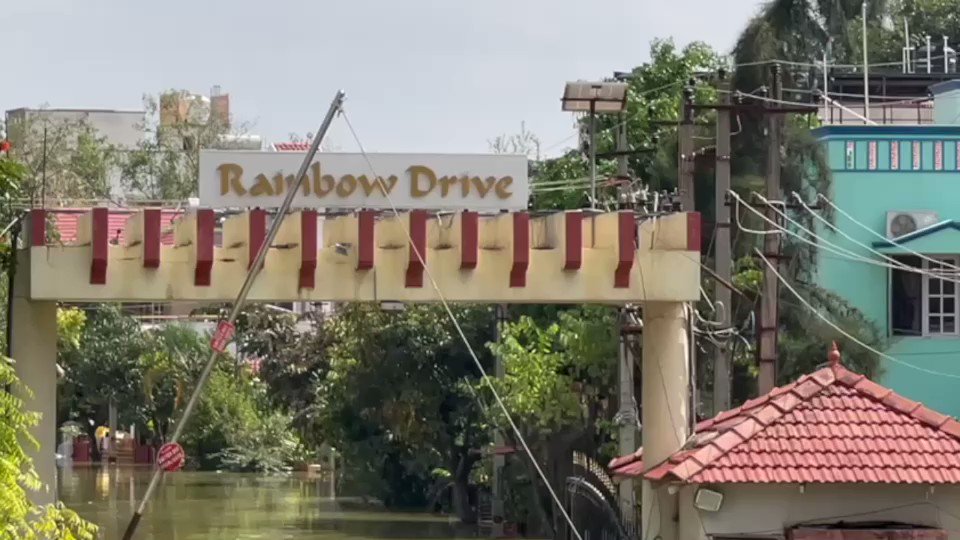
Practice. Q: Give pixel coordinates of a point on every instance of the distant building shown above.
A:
(899, 183)
(123, 129)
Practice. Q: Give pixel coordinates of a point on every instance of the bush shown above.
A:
(235, 430)
(19, 517)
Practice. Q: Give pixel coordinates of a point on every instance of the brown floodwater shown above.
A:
(229, 506)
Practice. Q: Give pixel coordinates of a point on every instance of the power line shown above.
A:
(483, 372)
(850, 336)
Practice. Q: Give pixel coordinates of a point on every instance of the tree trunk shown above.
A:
(461, 487)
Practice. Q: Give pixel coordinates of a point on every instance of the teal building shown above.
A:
(902, 182)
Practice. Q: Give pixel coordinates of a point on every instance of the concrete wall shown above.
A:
(868, 191)
(766, 510)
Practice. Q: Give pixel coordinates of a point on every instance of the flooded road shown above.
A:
(228, 506)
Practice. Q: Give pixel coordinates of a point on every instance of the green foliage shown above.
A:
(166, 167)
(416, 411)
(61, 159)
(21, 519)
(234, 429)
(654, 96)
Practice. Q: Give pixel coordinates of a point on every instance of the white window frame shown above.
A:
(926, 297)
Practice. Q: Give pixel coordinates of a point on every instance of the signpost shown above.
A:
(222, 336)
(493, 182)
(170, 458)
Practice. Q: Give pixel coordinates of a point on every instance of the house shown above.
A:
(831, 456)
(894, 200)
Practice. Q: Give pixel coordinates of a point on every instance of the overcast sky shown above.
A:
(420, 75)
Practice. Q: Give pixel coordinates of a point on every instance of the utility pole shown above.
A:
(723, 263)
(686, 159)
(769, 308)
(499, 458)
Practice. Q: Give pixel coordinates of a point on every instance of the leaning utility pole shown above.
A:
(769, 308)
(686, 158)
(722, 259)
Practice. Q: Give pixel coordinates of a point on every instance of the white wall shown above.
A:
(766, 510)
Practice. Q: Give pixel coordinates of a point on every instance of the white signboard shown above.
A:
(429, 181)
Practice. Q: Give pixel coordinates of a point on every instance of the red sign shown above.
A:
(222, 336)
(171, 457)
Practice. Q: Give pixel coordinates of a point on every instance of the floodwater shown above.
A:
(230, 506)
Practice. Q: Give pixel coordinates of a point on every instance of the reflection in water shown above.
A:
(228, 506)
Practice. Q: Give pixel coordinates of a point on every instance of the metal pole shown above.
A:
(722, 258)
(771, 245)
(929, 57)
(43, 166)
(627, 415)
(499, 459)
(866, 67)
(593, 153)
(686, 164)
(252, 273)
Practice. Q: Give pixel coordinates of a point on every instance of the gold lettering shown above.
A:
(416, 172)
(261, 187)
(503, 186)
(230, 174)
(347, 185)
(292, 179)
(278, 184)
(483, 186)
(446, 182)
(322, 183)
(377, 184)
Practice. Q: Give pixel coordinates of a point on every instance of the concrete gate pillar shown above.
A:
(33, 345)
(666, 407)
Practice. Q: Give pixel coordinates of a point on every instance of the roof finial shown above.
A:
(833, 357)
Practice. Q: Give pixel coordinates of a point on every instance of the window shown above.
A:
(895, 154)
(922, 304)
(872, 155)
(938, 155)
(916, 155)
(851, 155)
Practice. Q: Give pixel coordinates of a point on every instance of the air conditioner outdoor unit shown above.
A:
(901, 222)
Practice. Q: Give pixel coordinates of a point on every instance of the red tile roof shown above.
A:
(66, 220)
(831, 426)
(291, 146)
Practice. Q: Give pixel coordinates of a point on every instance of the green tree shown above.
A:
(399, 401)
(172, 361)
(62, 159)
(166, 166)
(559, 386)
(105, 368)
(20, 517)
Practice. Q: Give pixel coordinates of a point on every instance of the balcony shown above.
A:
(901, 112)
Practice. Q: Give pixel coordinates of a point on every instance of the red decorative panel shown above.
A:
(573, 250)
(365, 226)
(895, 155)
(38, 227)
(418, 248)
(205, 226)
(626, 248)
(917, 162)
(151, 238)
(938, 155)
(469, 240)
(258, 233)
(872, 155)
(308, 249)
(521, 249)
(99, 245)
(693, 231)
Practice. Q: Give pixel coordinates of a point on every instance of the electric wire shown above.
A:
(483, 372)
(825, 244)
(836, 327)
(863, 226)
